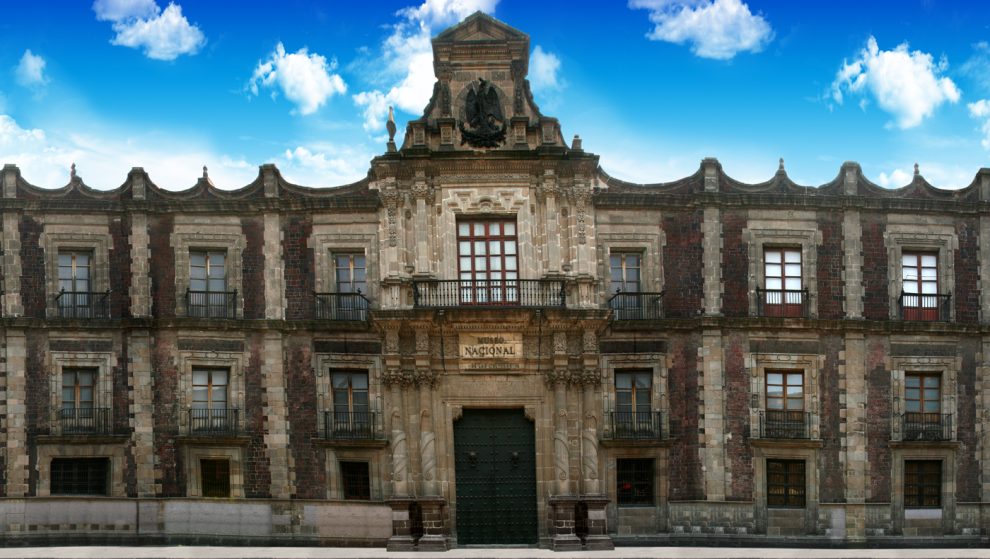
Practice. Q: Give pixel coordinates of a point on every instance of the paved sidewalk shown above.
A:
(190, 552)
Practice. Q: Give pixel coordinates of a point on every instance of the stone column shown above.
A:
(421, 191)
(274, 274)
(16, 416)
(853, 371)
(391, 261)
(432, 505)
(713, 387)
(983, 428)
(563, 502)
(852, 249)
(142, 410)
(12, 305)
(550, 208)
(712, 257)
(400, 500)
(276, 417)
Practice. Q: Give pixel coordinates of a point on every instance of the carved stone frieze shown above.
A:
(557, 376)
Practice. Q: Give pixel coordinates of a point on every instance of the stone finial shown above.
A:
(72, 172)
(917, 172)
(390, 126)
(206, 175)
(780, 166)
(576, 143)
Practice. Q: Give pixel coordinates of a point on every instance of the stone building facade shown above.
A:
(489, 340)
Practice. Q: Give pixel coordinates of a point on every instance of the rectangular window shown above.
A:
(209, 402)
(80, 476)
(784, 416)
(783, 294)
(215, 478)
(923, 408)
(355, 480)
(78, 413)
(208, 295)
(350, 273)
(922, 483)
(75, 298)
(488, 265)
(624, 272)
(785, 483)
(351, 410)
(634, 481)
(919, 280)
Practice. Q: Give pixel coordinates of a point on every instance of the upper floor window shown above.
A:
(208, 295)
(488, 265)
(351, 416)
(784, 417)
(78, 389)
(624, 272)
(350, 273)
(920, 298)
(923, 418)
(75, 298)
(73, 271)
(783, 294)
(634, 416)
(209, 401)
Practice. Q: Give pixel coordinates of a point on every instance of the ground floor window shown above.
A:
(634, 481)
(215, 475)
(80, 476)
(785, 483)
(355, 480)
(922, 483)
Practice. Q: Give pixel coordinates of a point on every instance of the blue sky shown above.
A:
(652, 86)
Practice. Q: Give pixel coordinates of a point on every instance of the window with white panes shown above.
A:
(624, 272)
(351, 408)
(210, 410)
(350, 273)
(208, 295)
(783, 293)
(919, 280)
(488, 265)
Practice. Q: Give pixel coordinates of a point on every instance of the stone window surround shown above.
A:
(810, 365)
(194, 474)
(373, 457)
(649, 245)
(760, 239)
(481, 202)
(323, 363)
(233, 362)
(103, 362)
(800, 450)
(659, 457)
(655, 362)
(233, 244)
(900, 366)
(115, 452)
(906, 451)
(96, 243)
(325, 245)
(897, 242)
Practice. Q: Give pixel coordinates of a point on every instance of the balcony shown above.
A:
(633, 426)
(636, 305)
(488, 293)
(924, 307)
(214, 422)
(926, 427)
(782, 303)
(83, 421)
(83, 304)
(211, 304)
(785, 424)
(352, 426)
(342, 306)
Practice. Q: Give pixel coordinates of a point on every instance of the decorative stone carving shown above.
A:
(587, 377)
(557, 376)
(422, 341)
(391, 197)
(483, 113)
(590, 341)
(391, 341)
(427, 378)
(582, 196)
(560, 343)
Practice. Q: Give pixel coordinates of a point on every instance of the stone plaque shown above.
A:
(502, 351)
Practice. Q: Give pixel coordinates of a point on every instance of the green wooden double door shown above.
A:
(495, 465)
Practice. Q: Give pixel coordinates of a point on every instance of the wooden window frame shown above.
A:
(211, 387)
(783, 302)
(915, 305)
(623, 268)
(784, 386)
(487, 291)
(206, 267)
(793, 486)
(74, 267)
(926, 474)
(77, 387)
(922, 376)
(633, 391)
(634, 482)
(351, 285)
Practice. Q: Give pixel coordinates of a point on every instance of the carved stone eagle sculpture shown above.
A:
(483, 114)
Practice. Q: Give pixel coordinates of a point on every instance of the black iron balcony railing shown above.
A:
(218, 422)
(636, 305)
(926, 426)
(934, 306)
(782, 303)
(352, 426)
(83, 421)
(488, 293)
(342, 306)
(780, 424)
(83, 304)
(634, 426)
(211, 304)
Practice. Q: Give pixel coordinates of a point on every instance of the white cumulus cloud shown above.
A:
(141, 24)
(896, 179)
(717, 29)
(30, 71)
(323, 164)
(407, 57)
(544, 69)
(909, 85)
(305, 78)
(980, 110)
